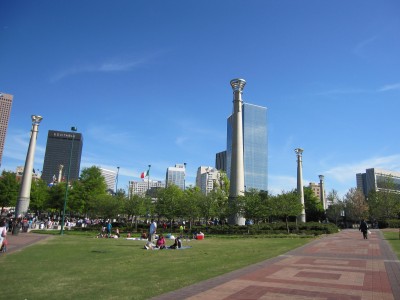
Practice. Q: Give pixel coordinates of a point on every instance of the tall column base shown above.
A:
(235, 219)
(22, 206)
(301, 218)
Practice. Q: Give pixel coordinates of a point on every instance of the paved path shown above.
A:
(22, 240)
(340, 266)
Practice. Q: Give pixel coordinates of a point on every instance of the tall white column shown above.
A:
(26, 182)
(322, 191)
(237, 164)
(300, 190)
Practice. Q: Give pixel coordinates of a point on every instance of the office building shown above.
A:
(110, 178)
(220, 161)
(58, 152)
(255, 147)
(145, 187)
(5, 111)
(176, 175)
(207, 179)
(378, 180)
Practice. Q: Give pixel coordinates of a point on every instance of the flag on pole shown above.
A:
(144, 174)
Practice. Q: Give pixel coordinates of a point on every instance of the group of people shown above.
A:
(160, 242)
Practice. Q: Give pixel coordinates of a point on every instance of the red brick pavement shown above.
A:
(340, 266)
(22, 240)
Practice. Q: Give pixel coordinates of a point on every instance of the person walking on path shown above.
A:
(364, 229)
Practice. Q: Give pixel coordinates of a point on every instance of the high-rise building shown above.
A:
(5, 110)
(144, 187)
(176, 175)
(58, 152)
(110, 178)
(255, 147)
(378, 180)
(220, 161)
(206, 179)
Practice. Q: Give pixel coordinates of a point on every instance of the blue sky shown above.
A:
(147, 82)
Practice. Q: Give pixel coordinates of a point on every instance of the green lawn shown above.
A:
(393, 238)
(73, 267)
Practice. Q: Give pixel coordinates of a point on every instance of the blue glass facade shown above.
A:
(255, 143)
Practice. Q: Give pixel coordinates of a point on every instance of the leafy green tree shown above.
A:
(39, 195)
(9, 188)
(384, 205)
(286, 205)
(356, 206)
(313, 206)
(190, 204)
(335, 211)
(221, 204)
(333, 197)
(136, 206)
(55, 200)
(255, 206)
(107, 206)
(88, 189)
(168, 202)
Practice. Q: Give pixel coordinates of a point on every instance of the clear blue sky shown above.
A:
(147, 82)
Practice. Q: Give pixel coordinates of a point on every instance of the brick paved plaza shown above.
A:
(341, 266)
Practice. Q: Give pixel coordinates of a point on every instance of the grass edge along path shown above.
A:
(67, 267)
(392, 236)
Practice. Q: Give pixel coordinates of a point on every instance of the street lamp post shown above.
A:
(26, 182)
(67, 183)
(148, 180)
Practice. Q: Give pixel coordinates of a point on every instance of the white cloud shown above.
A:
(113, 66)
(360, 47)
(390, 87)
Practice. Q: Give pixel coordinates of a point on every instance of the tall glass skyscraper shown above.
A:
(58, 152)
(255, 144)
(5, 110)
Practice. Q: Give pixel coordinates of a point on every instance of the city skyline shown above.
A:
(148, 83)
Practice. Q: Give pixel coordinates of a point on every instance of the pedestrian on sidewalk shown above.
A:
(364, 229)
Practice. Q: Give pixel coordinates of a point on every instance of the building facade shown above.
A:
(58, 152)
(5, 111)
(255, 147)
(176, 175)
(207, 179)
(220, 161)
(143, 188)
(110, 178)
(378, 180)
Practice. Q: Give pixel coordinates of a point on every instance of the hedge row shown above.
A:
(310, 228)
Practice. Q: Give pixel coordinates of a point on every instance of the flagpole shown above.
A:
(148, 179)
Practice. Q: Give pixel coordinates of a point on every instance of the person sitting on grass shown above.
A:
(177, 243)
(161, 242)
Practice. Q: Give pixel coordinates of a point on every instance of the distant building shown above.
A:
(20, 171)
(316, 188)
(378, 180)
(58, 152)
(255, 144)
(176, 175)
(220, 161)
(143, 188)
(5, 111)
(207, 178)
(110, 178)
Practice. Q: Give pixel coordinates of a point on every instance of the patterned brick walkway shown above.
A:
(341, 266)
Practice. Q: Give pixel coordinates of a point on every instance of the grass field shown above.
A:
(393, 238)
(83, 267)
